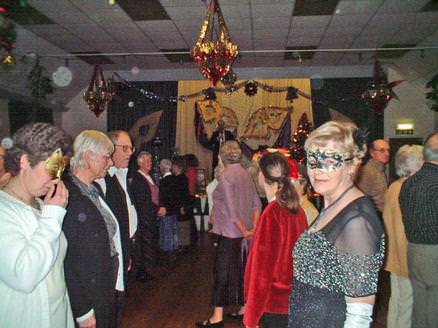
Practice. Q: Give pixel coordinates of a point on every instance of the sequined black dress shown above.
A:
(342, 259)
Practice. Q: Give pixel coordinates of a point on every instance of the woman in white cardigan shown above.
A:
(32, 285)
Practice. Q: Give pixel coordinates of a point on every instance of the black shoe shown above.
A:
(235, 316)
(144, 277)
(208, 324)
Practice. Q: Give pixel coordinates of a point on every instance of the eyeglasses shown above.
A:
(383, 150)
(126, 148)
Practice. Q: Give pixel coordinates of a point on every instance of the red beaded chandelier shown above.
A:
(98, 94)
(214, 56)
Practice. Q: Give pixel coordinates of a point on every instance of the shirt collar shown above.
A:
(114, 170)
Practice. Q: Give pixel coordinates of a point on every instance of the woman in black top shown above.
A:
(337, 260)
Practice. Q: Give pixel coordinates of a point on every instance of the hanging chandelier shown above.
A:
(98, 94)
(379, 92)
(214, 57)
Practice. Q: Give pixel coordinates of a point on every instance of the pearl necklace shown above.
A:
(315, 225)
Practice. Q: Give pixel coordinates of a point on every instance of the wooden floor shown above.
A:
(181, 294)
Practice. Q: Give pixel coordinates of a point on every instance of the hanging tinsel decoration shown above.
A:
(251, 88)
(292, 93)
(214, 56)
(379, 92)
(97, 95)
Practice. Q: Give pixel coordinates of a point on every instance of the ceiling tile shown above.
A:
(137, 11)
(310, 22)
(363, 7)
(322, 58)
(349, 20)
(273, 10)
(402, 6)
(75, 17)
(182, 13)
(157, 26)
(314, 7)
(235, 12)
(268, 44)
(235, 24)
(271, 22)
(303, 41)
(109, 16)
(303, 33)
(177, 3)
(268, 33)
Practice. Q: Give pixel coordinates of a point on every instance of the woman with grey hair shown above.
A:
(408, 160)
(32, 285)
(94, 261)
(236, 207)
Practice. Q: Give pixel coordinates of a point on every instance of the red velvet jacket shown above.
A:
(268, 274)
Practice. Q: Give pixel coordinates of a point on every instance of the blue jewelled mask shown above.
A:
(326, 160)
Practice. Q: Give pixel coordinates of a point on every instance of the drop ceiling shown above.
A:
(65, 27)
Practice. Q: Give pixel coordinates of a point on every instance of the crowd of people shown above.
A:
(76, 220)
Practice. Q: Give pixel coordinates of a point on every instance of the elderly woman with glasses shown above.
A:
(32, 286)
(94, 261)
(337, 260)
(236, 207)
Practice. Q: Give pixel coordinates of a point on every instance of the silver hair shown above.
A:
(141, 155)
(89, 140)
(165, 165)
(430, 150)
(408, 160)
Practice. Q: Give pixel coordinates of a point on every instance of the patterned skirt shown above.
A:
(169, 236)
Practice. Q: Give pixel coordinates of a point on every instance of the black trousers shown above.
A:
(228, 272)
(274, 320)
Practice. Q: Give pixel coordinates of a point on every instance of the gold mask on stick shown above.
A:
(56, 163)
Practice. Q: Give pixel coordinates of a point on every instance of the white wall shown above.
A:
(79, 117)
(411, 107)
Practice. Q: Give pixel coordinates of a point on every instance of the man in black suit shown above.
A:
(217, 139)
(115, 190)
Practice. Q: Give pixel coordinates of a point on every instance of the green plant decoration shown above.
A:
(39, 86)
(433, 94)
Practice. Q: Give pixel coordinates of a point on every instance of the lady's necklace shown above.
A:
(33, 203)
(315, 225)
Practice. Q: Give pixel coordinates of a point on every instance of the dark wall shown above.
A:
(121, 116)
(344, 96)
(21, 113)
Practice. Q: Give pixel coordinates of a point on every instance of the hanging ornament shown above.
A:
(214, 56)
(97, 95)
(251, 88)
(229, 79)
(292, 93)
(379, 92)
(8, 61)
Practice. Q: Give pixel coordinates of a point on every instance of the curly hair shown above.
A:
(38, 141)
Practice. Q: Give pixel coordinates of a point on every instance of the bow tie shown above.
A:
(113, 170)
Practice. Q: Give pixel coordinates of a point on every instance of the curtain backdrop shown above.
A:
(243, 106)
(130, 104)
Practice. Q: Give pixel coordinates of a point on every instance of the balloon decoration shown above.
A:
(98, 94)
(379, 92)
(214, 56)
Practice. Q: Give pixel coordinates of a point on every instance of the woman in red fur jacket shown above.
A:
(268, 275)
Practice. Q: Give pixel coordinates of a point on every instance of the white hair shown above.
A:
(408, 160)
(141, 155)
(89, 140)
